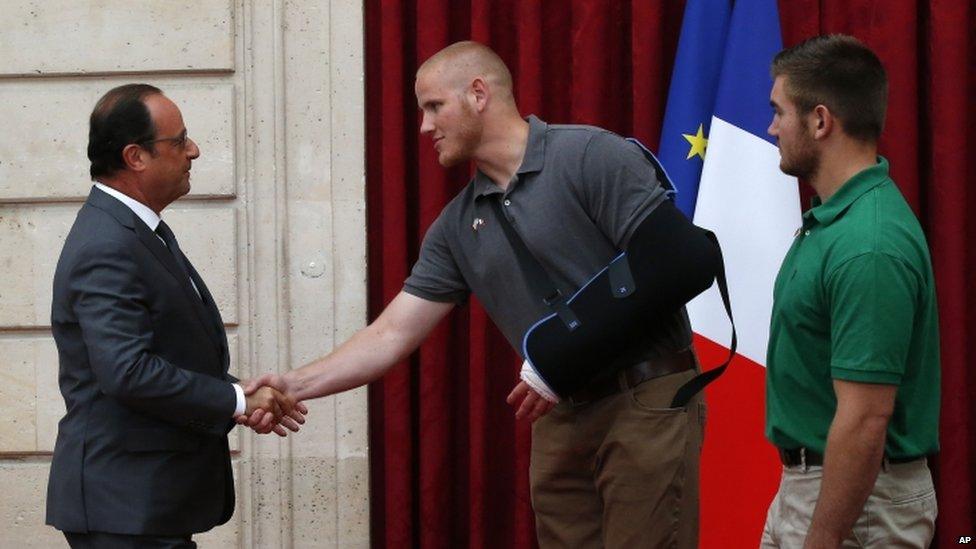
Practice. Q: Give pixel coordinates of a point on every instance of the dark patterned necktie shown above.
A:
(169, 238)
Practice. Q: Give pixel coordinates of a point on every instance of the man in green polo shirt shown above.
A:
(852, 390)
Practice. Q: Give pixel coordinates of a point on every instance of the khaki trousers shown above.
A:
(619, 472)
(900, 512)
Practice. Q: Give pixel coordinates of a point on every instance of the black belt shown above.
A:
(633, 376)
(804, 456)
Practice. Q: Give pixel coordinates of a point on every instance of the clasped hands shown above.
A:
(269, 408)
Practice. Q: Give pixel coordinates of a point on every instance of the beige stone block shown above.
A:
(348, 167)
(315, 506)
(308, 160)
(318, 436)
(349, 267)
(46, 158)
(352, 423)
(23, 506)
(31, 238)
(311, 281)
(353, 495)
(233, 347)
(268, 502)
(18, 432)
(107, 36)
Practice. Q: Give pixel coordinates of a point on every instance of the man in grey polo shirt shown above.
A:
(612, 465)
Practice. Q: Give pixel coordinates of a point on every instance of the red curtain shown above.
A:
(449, 463)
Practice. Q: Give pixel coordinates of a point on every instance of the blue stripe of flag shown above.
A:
(691, 97)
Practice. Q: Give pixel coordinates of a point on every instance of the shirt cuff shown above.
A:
(532, 378)
(241, 401)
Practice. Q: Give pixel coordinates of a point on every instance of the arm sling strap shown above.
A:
(667, 262)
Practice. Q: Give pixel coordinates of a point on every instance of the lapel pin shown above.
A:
(478, 222)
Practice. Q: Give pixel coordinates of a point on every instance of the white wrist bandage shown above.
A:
(529, 375)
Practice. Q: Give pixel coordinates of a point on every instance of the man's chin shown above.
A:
(788, 169)
(448, 161)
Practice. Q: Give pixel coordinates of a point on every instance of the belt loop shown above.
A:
(803, 458)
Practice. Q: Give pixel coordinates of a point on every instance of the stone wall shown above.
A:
(272, 91)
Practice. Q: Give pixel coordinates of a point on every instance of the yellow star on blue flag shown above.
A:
(691, 97)
(698, 143)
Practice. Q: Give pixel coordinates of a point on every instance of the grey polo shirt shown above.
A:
(579, 194)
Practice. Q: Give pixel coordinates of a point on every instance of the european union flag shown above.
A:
(691, 98)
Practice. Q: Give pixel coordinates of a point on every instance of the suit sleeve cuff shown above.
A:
(241, 402)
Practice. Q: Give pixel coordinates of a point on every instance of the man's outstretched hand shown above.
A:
(275, 381)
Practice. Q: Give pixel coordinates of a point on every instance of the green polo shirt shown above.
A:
(855, 301)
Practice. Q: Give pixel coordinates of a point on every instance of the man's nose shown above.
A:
(426, 126)
(192, 150)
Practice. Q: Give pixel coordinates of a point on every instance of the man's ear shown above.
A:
(134, 157)
(822, 122)
(479, 92)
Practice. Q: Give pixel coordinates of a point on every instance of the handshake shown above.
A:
(269, 407)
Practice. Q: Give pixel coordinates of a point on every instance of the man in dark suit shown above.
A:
(141, 458)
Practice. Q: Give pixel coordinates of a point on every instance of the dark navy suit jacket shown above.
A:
(142, 448)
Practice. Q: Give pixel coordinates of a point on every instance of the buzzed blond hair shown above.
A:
(462, 62)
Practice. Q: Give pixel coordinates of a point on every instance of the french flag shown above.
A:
(725, 167)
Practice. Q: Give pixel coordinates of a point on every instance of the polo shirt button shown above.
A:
(806, 232)
(508, 202)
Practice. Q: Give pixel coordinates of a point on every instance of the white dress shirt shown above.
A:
(151, 219)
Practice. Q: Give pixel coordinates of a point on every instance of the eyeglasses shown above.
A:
(179, 141)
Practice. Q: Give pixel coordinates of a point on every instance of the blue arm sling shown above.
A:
(667, 262)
